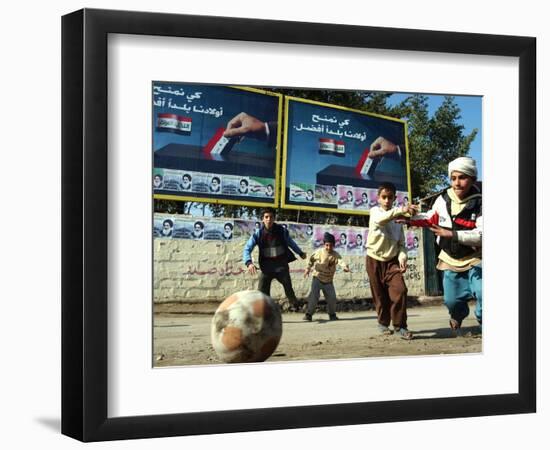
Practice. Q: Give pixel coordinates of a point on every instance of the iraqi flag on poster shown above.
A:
(366, 165)
(327, 146)
(174, 123)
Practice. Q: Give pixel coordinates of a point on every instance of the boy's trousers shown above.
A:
(328, 291)
(458, 288)
(283, 277)
(389, 292)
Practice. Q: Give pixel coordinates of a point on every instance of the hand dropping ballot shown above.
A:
(367, 166)
(220, 145)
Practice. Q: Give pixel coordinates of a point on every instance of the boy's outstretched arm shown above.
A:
(343, 265)
(381, 217)
(295, 248)
(247, 254)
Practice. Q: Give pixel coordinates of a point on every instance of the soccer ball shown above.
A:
(246, 327)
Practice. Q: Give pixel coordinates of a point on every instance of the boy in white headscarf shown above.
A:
(456, 220)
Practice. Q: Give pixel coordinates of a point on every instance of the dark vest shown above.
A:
(464, 220)
(274, 253)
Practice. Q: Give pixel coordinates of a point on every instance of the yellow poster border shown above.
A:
(222, 201)
(285, 205)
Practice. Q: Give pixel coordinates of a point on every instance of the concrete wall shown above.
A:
(199, 271)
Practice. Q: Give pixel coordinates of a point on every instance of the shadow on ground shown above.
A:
(442, 333)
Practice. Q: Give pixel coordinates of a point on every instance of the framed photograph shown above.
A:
(149, 101)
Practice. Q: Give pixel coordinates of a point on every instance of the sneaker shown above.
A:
(455, 327)
(307, 317)
(384, 330)
(403, 333)
(333, 317)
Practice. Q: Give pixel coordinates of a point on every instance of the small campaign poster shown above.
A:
(183, 227)
(261, 187)
(326, 195)
(345, 196)
(360, 199)
(302, 192)
(213, 230)
(201, 183)
(401, 198)
(341, 237)
(300, 231)
(172, 180)
(412, 242)
(163, 226)
(244, 228)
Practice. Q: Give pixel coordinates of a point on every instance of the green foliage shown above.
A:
(433, 142)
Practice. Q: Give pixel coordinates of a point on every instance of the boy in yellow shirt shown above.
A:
(387, 261)
(324, 262)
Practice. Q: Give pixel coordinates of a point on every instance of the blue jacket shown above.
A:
(255, 239)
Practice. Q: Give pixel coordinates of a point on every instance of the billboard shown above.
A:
(215, 144)
(334, 158)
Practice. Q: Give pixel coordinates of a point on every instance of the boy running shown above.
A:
(456, 220)
(387, 261)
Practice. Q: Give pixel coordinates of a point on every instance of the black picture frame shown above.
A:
(84, 224)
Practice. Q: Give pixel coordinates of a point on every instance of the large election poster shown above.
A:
(215, 143)
(335, 158)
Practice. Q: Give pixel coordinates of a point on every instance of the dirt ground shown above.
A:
(184, 339)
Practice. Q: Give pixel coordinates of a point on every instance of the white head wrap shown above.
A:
(465, 165)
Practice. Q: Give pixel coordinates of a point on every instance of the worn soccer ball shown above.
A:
(246, 327)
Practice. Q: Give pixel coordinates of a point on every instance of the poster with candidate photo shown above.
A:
(240, 185)
(302, 192)
(215, 184)
(261, 187)
(401, 198)
(244, 228)
(163, 226)
(171, 180)
(330, 145)
(228, 227)
(341, 237)
(183, 227)
(197, 232)
(186, 183)
(301, 232)
(345, 197)
(158, 179)
(204, 129)
(373, 197)
(230, 184)
(360, 199)
(412, 240)
(355, 242)
(200, 183)
(213, 230)
(326, 194)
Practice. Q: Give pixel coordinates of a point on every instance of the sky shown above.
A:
(470, 110)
